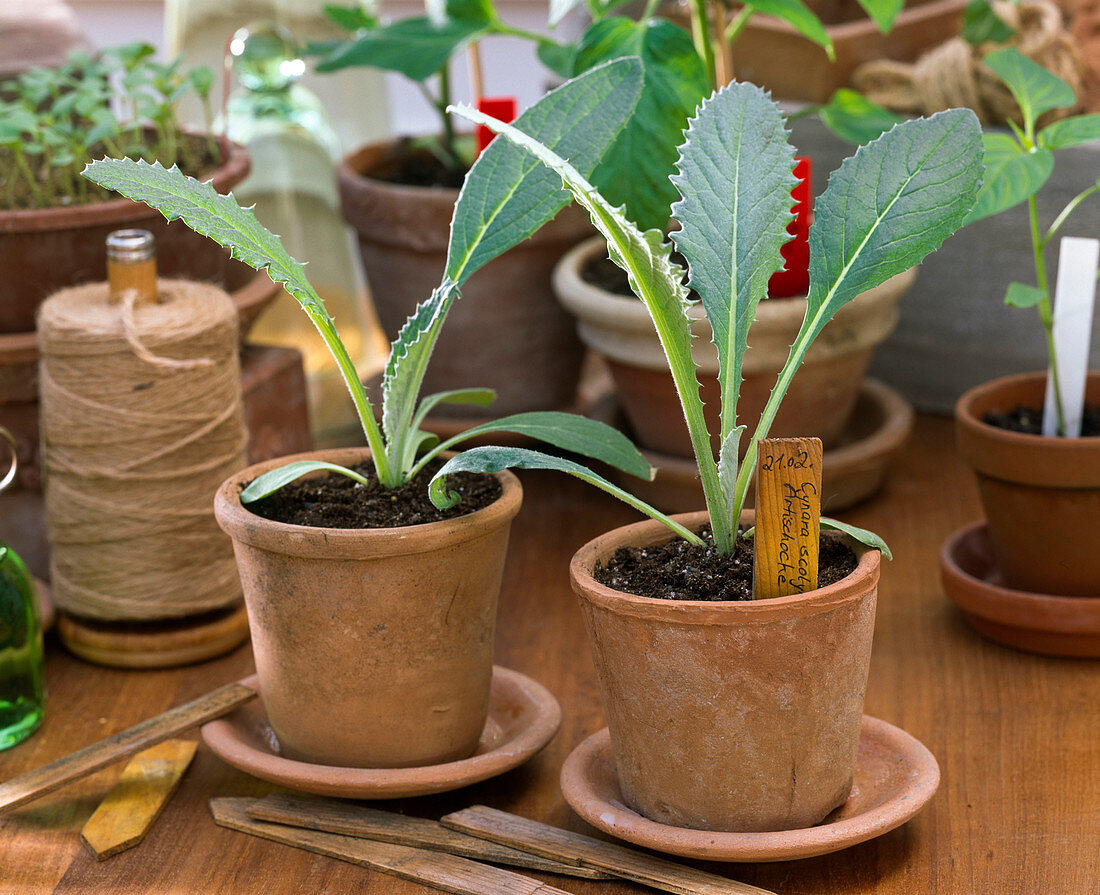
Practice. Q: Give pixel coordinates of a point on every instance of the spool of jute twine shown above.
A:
(141, 422)
(952, 75)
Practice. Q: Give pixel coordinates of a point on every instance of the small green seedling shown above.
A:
(887, 207)
(1018, 165)
(57, 120)
(506, 197)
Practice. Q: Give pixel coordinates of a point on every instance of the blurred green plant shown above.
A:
(121, 102)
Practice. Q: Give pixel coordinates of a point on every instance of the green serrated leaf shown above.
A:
(735, 176)
(496, 459)
(635, 172)
(860, 534)
(888, 206)
(981, 24)
(1073, 131)
(1035, 89)
(569, 432)
(882, 12)
(800, 17)
(508, 195)
(853, 117)
(1012, 175)
(219, 217)
(272, 481)
(415, 47)
(482, 397)
(657, 282)
(1020, 295)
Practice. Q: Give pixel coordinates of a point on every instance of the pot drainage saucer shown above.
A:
(523, 717)
(852, 470)
(895, 776)
(1038, 623)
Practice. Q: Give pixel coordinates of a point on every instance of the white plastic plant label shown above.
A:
(1073, 303)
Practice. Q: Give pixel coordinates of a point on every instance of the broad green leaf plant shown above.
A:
(884, 209)
(1017, 166)
(507, 196)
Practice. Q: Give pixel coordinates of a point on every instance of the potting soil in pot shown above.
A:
(1029, 420)
(677, 570)
(336, 501)
(418, 167)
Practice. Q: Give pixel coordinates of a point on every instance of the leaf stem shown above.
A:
(700, 31)
(1068, 210)
(738, 23)
(1046, 314)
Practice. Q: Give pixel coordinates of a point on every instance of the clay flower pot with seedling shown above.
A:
(53, 222)
(728, 713)
(1033, 439)
(373, 629)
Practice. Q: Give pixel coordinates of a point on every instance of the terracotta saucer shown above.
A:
(895, 776)
(852, 471)
(1038, 623)
(523, 717)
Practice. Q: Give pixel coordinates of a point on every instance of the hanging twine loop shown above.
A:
(952, 75)
(141, 422)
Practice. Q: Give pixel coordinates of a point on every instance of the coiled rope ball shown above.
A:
(141, 422)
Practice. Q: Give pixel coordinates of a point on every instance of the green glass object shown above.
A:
(22, 673)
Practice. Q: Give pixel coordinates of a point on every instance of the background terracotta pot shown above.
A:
(506, 332)
(44, 250)
(739, 716)
(822, 394)
(374, 648)
(1041, 495)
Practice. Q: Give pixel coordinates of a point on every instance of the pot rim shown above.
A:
(231, 172)
(1042, 460)
(351, 167)
(593, 305)
(703, 612)
(353, 543)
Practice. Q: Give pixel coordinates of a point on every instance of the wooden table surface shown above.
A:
(1017, 736)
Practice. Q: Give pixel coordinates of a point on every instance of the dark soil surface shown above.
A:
(1029, 420)
(413, 166)
(335, 501)
(677, 570)
(195, 159)
(604, 273)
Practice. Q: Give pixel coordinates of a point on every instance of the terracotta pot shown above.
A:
(821, 397)
(733, 716)
(44, 250)
(374, 648)
(773, 54)
(1041, 495)
(506, 332)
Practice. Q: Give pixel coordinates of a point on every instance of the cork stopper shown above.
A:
(132, 265)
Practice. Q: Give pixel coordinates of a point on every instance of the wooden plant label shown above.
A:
(788, 516)
(137, 799)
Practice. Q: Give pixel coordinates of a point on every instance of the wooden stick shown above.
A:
(477, 82)
(563, 845)
(350, 819)
(137, 799)
(46, 779)
(446, 872)
(788, 517)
